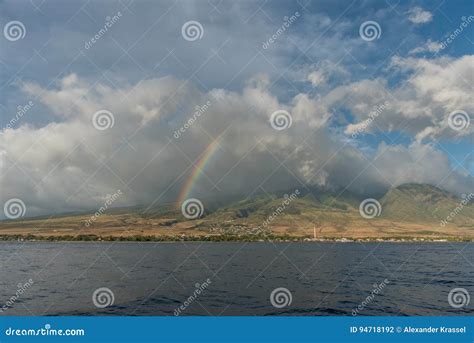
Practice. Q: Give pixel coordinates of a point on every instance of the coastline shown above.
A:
(210, 239)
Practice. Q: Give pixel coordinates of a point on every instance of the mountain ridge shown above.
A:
(409, 210)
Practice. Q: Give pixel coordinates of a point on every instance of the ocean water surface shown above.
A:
(235, 278)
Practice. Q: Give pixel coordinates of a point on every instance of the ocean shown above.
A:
(235, 278)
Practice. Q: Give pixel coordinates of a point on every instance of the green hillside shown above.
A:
(410, 211)
(425, 203)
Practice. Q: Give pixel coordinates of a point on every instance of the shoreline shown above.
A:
(227, 239)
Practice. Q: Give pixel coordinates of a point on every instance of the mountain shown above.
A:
(426, 203)
(409, 211)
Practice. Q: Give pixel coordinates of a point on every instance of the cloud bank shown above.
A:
(69, 164)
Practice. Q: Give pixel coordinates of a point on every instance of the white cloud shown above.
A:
(417, 15)
(68, 164)
(316, 78)
(319, 74)
(419, 104)
(412, 166)
(429, 46)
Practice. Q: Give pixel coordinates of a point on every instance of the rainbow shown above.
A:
(199, 167)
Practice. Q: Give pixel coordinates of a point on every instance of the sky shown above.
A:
(176, 99)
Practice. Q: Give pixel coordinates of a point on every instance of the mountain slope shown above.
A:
(426, 203)
(407, 212)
